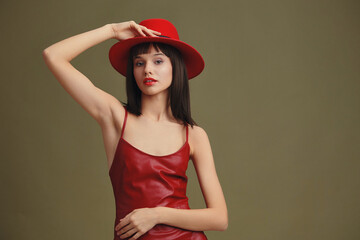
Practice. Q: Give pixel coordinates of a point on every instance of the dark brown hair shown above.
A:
(179, 93)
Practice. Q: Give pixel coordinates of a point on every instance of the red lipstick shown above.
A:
(149, 81)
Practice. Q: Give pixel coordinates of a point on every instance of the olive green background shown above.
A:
(279, 99)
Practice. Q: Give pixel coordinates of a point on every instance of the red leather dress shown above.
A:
(143, 180)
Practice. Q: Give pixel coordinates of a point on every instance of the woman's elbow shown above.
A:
(221, 223)
(224, 224)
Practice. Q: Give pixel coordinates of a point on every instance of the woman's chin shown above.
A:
(154, 92)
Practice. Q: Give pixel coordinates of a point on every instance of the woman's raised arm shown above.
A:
(58, 56)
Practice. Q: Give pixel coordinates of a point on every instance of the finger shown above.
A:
(123, 223)
(124, 229)
(150, 32)
(139, 30)
(128, 233)
(136, 236)
(125, 220)
(135, 28)
(155, 32)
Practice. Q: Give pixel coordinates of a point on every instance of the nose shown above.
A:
(148, 69)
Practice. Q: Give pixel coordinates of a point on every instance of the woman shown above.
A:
(149, 184)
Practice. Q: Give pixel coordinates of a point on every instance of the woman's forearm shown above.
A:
(71, 47)
(194, 219)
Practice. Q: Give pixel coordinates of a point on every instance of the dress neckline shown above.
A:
(145, 153)
(149, 154)
(152, 155)
(142, 152)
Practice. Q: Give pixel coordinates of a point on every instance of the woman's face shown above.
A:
(152, 72)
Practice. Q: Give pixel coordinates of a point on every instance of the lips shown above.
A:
(149, 81)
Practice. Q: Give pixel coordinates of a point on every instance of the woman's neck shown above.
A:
(155, 107)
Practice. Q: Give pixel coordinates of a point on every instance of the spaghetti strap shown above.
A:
(187, 132)
(123, 127)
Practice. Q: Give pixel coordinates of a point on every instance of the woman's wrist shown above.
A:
(111, 29)
(158, 213)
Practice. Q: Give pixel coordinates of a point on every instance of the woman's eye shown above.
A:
(138, 64)
(158, 61)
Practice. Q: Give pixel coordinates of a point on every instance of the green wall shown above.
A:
(279, 99)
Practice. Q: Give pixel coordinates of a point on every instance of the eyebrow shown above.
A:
(156, 54)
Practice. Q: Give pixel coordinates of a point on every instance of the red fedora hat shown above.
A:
(119, 52)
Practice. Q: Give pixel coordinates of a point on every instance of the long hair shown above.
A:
(179, 93)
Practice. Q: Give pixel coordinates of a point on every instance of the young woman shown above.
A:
(148, 141)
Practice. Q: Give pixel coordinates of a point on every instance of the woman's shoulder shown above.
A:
(197, 130)
(197, 137)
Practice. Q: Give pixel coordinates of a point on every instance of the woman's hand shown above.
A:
(131, 29)
(137, 223)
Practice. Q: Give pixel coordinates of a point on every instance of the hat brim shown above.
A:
(119, 54)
